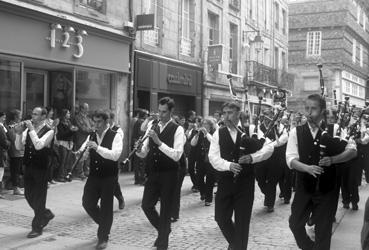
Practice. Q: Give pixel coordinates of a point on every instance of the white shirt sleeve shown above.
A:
(176, 152)
(365, 140)
(145, 146)
(264, 153)
(214, 154)
(292, 148)
(115, 151)
(20, 140)
(42, 142)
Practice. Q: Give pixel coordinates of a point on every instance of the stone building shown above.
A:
(335, 34)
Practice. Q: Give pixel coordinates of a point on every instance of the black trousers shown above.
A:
(349, 181)
(160, 185)
(16, 164)
(35, 191)
(192, 170)
(323, 207)
(102, 189)
(235, 197)
(267, 175)
(206, 180)
(285, 183)
(177, 193)
(117, 190)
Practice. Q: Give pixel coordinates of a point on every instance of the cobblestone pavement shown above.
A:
(196, 228)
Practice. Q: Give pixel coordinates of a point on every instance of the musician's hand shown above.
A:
(246, 159)
(29, 125)
(325, 161)
(138, 146)
(203, 130)
(91, 145)
(314, 170)
(235, 168)
(154, 136)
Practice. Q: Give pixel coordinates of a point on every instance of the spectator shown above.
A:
(53, 156)
(138, 163)
(15, 155)
(365, 229)
(4, 146)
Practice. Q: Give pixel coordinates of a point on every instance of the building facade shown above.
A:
(253, 40)
(168, 58)
(336, 35)
(64, 53)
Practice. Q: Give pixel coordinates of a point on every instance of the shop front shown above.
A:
(156, 77)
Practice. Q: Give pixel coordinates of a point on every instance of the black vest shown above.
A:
(36, 158)
(99, 166)
(157, 161)
(309, 153)
(115, 128)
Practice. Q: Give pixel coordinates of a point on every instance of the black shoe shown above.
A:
(102, 244)
(270, 209)
(174, 219)
(48, 217)
(202, 197)
(355, 207)
(156, 242)
(122, 204)
(346, 206)
(34, 234)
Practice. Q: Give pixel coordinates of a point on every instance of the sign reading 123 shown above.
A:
(66, 38)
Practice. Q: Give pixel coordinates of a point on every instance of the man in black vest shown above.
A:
(105, 147)
(316, 191)
(235, 192)
(36, 139)
(163, 151)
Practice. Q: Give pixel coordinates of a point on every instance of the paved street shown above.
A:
(196, 229)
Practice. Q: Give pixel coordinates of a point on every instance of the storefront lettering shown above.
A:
(66, 37)
(180, 78)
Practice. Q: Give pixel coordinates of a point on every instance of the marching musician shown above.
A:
(235, 192)
(105, 147)
(316, 191)
(35, 137)
(163, 151)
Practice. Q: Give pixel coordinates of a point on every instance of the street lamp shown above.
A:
(258, 42)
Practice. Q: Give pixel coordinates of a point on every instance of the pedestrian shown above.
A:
(4, 146)
(205, 172)
(117, 191)
(15, 156)
(54, 156)
(85, 127)
(162, 150)
(316, 191)
(105, 147)
(191, 153)
(235, 193)
(64, 136)
(35, 137)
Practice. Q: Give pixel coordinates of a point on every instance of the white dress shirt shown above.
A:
(292, 144)
(221, 164)
(283, 138)
(38, 143)
(110, 154)
(174, 153)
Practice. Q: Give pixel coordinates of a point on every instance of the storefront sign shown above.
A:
(66, 38)
(215, 54)
(179, 77)
(145, 22)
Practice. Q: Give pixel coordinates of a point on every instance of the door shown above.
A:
(35, 90)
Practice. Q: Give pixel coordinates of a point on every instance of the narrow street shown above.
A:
(196, 228)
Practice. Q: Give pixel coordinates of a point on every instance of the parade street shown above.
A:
(72, 228)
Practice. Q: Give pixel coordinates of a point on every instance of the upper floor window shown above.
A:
(187, 27)
(276, 7)
(358, 14)
(284, 61)
(353, 50)
(361, 52)
(314, 41)
(284, 27)
(152, 37)
(233, 47)
(186, 19)
(96, 5)
(213, 22)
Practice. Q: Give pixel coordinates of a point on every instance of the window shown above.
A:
(314, 40)
(347, 87)
(355, 90)
(213, 21)
(353, 50)
(276, 6)
(233, 45)
(284, 61)
(10, 87)
(250, 10)
(358, 14)
(96, 5)
(361, 55)
(311, 83)
(186, 43)
(284, 28)
(364, 21)
(276, 58)
(266, 57)
(235, 4)
(151, 37)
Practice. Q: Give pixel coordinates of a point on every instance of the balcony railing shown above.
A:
(186, 48)
(151, 37)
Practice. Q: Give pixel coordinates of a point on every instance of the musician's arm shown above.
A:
(263, 154)
(142, 153)
(283, 139)
(115, 151)
(214, 155)
(292, 153)
(176, 152)
(83, 146)
(349, 153)
(42, 142)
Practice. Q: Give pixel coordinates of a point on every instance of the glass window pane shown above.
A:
(35, 89)
(10, 85)
(93, 88)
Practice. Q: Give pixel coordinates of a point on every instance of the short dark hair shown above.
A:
(231, 105)
(2, 113)
(168, 101)
(101, 114)
(13, 114)
(63, 113)
(318, 98)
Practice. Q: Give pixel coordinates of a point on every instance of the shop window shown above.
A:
(94, 88)
(61, 90)
(10, 85)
